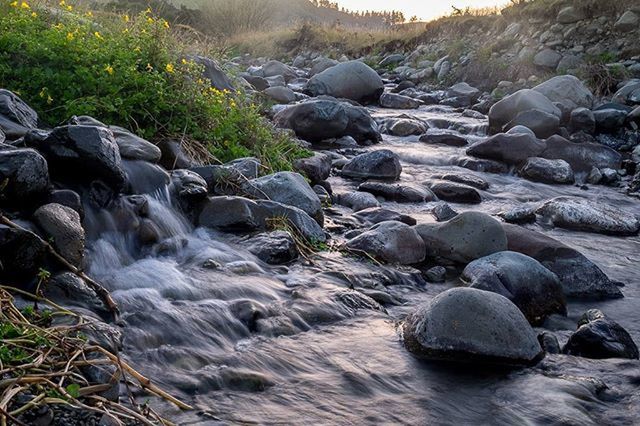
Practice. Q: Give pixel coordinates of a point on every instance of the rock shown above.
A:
(145, 178)
(382, 164)
(521, 130)
(534, 289)
(610, 120)
(542, 124)
(580, 278)
(188, 187)
(582, 119)
(456, 193)
(317, 167)
(391, 242)
(444, 139)
(465, 179)
(214, 73)
(68, 289)
(485, 166)
(350, 80)
(509, 148)
(464, 91)
(16, 117)
(81, 153)
(567, 90)
(277, 68)
(406, 127)
(437, 274)
(524, 100)
(570, 64)
(392, 59)
(402, 193)
(469, 325)
(600, 338)
(589, 216)
(258, 83)
(173, 156)
(595, 176)
(318, 120)
(547, 58)
(357, 201)
(67, 198)
(629, 21)
(570, 15)
(22, 254)
(443, 212)
(581, 156)
(403, 86)
(322, 64)
(547, 171)
(133, 147)
(237, 214)
(629, 93)
(280, 94)
(445, 69)
(549, 343)
(62, 225)
(466, 237)
(274, 248)
(24, 176)
(395, 101)
(287, 188)
(378, 214)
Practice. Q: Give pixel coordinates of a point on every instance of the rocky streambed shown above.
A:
(447, 259)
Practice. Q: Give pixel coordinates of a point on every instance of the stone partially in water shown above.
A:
(534, 289)
(62, 225)
(395, 101)
(599, 338)
(547, 171)
(382, 164)
(274, 248)
(456, 193)
(377, 214)
(24, 175)
(392, 242)
(509, 148)
(469, 325)
(402, 193)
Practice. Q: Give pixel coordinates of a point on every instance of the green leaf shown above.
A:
(74, 390)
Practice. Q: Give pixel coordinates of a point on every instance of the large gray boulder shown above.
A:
(280, 94)
(629, 21)
(570, 15)
(534, 289)
(547, 58)
(456, 192)
(469, 325)
(629, 93)
(321, 64)
(81, 153)
(547, 171)
(391, 242)
(567, 90)
(287, 188)
(509, 148)
(238, 214)
(581, 156)
(133, 147)
(24, 175)
(16, 117)
(524, 100)
(589, 216)
(580, 278)
(353, 80)
(541, 123)
(466, 237)
(277, 68)
(62, 225)
(382, 164)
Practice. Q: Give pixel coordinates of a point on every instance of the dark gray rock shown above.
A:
(469, 325)
(443, 212)
(133, 147)
(509, 148)
(534, 289)
(274, 248)
(24, 176)
(456, 192)
(62, 225)
(395, 101)
(402, 193)
(465, 179)
(610, 120)
(547, 58)
(280, 94)
(22, 254)
(444, 139)
(582, 120)
(405, 127)
(214, 73)
(382, 164)
(547, 171)
(349, 80)
(391, 242)
(67, 198)
(377, 214)
(483, 165)
(541, 123)
(173, 156)
(70, 290)
(599, 338)
(581, 156)
(16, 117)
(437, 274)
(317, 167)
(567, 90)
(508, 108)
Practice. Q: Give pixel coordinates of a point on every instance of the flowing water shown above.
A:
(247, 343)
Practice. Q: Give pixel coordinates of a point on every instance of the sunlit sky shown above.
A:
(424, 9)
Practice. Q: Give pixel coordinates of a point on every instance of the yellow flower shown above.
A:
(58, 26)
(25, 5)
(125, 31)
(70, 36)
(150, 20)
(184, 61)
(137, 49)
(49, 100)
(33, 14)
(148, 11)
(69, 8)
(62, 2)
(170, 69)
(98, 35)
(89, 14)
(14, 4)
(109, 69)
(43, 92)
(125, 18)
(165, 23)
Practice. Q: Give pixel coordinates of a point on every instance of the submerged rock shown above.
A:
(509, 148)
(274, 248)
(469, 325)
(391, 242)
(534, 289)
(598, 337)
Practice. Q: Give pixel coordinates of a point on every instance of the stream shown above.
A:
(249, 343)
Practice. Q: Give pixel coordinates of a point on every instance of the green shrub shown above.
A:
(129, 71)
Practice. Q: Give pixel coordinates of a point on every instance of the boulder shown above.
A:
(395, 101)
(68, 289)
(317, 167)
(378, 214)
(512, 149)
(547, 171)
(541, 123)
(281, 94)
(24, 176)
(580, 278)
(16, 117)
(287, 188)
(589, 216)
(582, 120)
(350, 80)
(214, 73)
(567, 90)
(508, 108)
(133, 147)
(534, 289)
(465, 179)
(258, 83)
(274, 248)
(444, 138)
(62, 225)
(357, 201)
(629, 93)
(547, 58)
(391, 242)
(22, 254)
(81, 153)
(321, 64)
(406, 127)
(456, 193)
(581, 156)
(466, 237)
(598, 337)
(276, 69)
(237, 214)
(570, 15)
(173, 156)
(469, 325)
(464, 91)
(382, 164)
(629, 21)
(402, 193)
(393, 59)
(610, 120)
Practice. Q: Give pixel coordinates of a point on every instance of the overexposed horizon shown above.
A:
(423, 9)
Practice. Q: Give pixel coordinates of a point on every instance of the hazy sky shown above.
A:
(424, 9)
